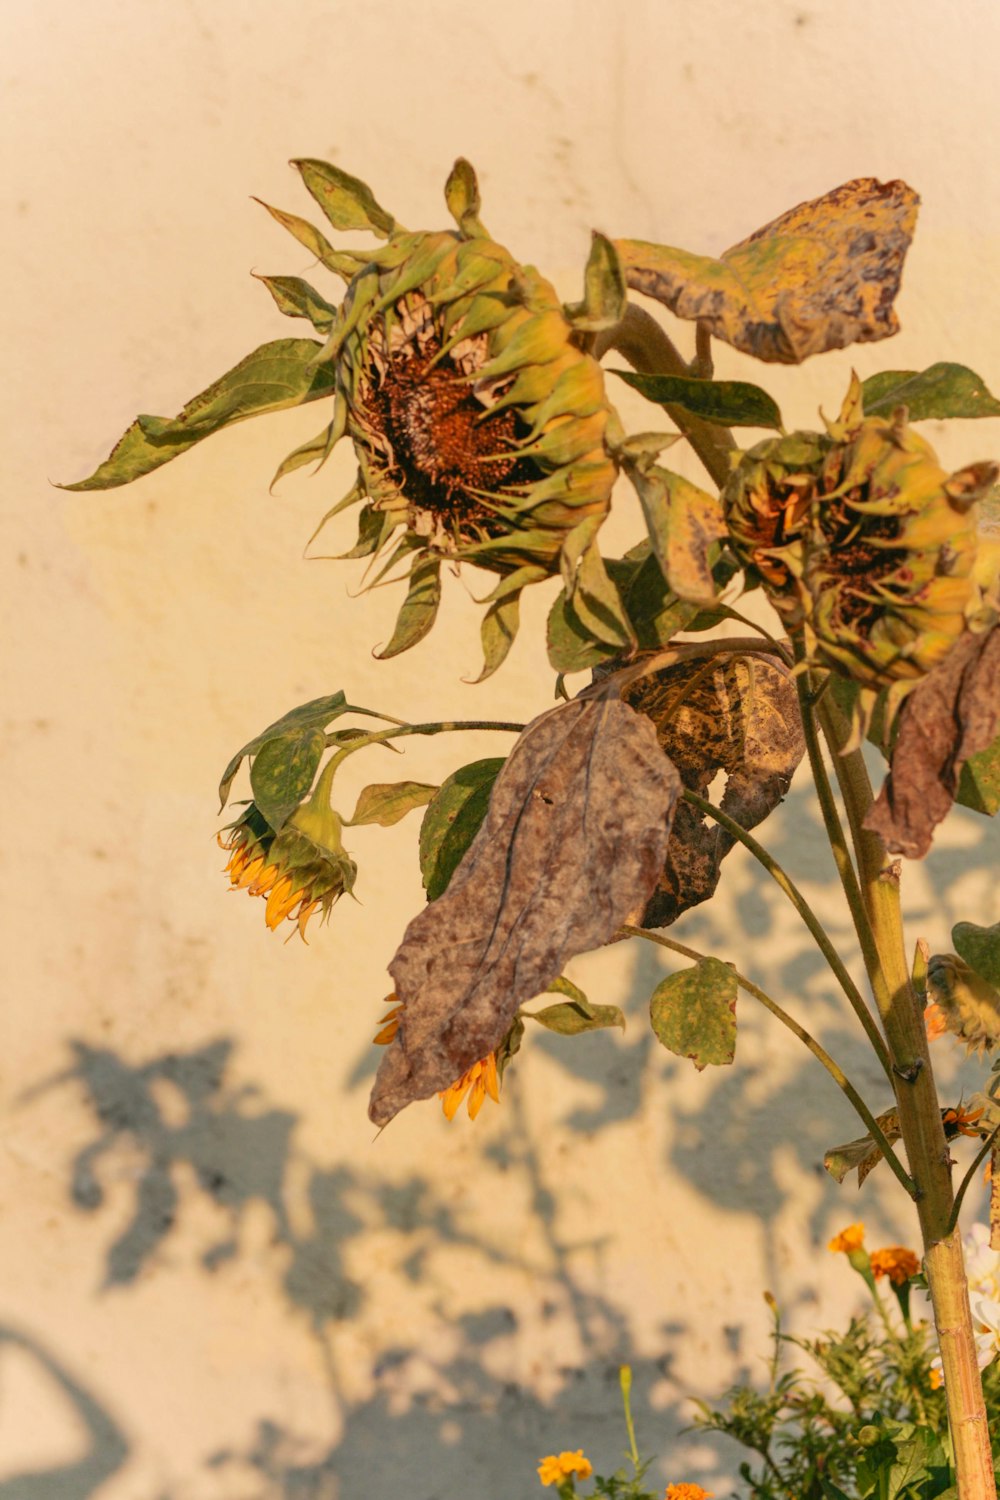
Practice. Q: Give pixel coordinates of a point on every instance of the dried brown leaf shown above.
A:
(736, 714)
(951, 715)
(571, 847)
(822, 276)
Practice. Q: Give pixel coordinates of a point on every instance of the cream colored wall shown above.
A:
(214, 1282)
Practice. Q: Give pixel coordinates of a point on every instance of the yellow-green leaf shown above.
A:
(941, 392)
(693, 1013)
(282, 772)
(980, 947)
(344, 263)
(316, 714)
(685, 526)
(821, 276)
(386, 803)
(273, 377)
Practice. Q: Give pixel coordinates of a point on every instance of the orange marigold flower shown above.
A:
(960, 1121)
(557, 1467)
(481, 1079)
(851, 1238)
(935, 1021)
(687, 1492)
(895, 1262)
(937, 1379)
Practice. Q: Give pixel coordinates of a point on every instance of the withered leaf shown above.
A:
(572, 844)
(736, 714)
(951, 715)
(821, 276)
(862, 1153)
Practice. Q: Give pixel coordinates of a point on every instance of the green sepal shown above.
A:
(316, 714)
(980, 947)
(347, 201)
(283, 770)
(728, 403)
(461, 193)
(940, 392)
(693, 1013)
(313, 451)
(385, 803)
(297, 299)
(605, 295)
(452, 821)
(575, 1014)
(343, 263)
(354, 495)
(373, 528)
(275, 376)
(419, 608)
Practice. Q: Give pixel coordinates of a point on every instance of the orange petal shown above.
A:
(477, 1093)
(492, 1080)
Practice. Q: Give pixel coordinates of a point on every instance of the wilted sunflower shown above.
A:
(860, 537)
(481, 1079)
(479, 424)
(300, 870)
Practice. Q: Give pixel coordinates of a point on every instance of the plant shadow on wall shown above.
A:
(440, 1400)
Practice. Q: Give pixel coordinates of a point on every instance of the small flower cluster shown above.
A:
(564, 1468)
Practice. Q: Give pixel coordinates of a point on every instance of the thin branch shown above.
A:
(818, 1051)
(805, 911)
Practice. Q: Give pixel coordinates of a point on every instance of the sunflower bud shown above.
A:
(301, 869)
(478, 422)
(859, 535)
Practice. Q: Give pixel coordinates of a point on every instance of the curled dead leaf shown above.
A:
(734, 714)
(821, 276)
(571, 847)
(948, 717)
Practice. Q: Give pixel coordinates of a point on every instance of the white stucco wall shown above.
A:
(214, 1283)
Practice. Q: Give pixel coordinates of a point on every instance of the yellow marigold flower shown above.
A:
(851, 1238)
(481, 1079)
(687, 1492)
(895, 1262)
(557, 1467)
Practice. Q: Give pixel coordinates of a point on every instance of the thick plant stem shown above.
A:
(920, 1125)
(648, 349)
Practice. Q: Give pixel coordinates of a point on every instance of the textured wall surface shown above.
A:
(214, 1283)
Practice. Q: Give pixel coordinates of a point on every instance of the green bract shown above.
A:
(861, 537)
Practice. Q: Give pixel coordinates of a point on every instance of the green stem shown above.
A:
(808, 916)
(401, 731)
(640, 339)
(818, 1051)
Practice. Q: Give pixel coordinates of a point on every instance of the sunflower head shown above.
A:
(298, 871)
(479, 423)
(860, 534)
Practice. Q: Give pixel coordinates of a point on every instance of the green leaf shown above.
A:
(283, 770)
(313, 715)
(980, 947)
(911, 1463)
(942, 391)
(386, 802)
(452, 821)
(419, 609)
(655, 609)
(979, 783)
(729, 403)
(347, 202)
(686, 525)
(273, 377)
(576, 1014)
(693, 1013)
(297, 299)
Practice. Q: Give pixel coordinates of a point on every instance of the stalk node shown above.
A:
(911, 1072)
